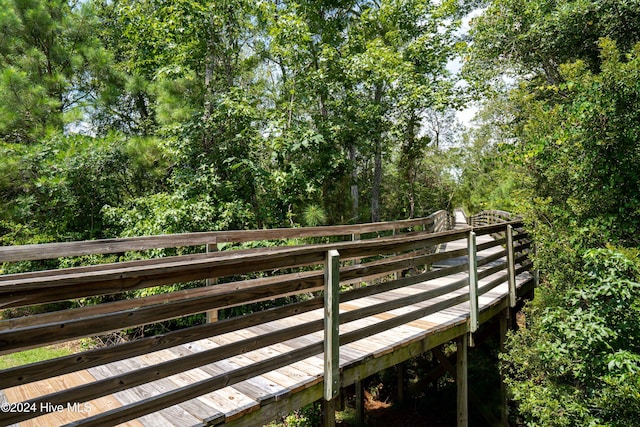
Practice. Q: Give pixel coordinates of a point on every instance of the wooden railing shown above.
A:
(245, 277)
(490, 217)
(438, 221)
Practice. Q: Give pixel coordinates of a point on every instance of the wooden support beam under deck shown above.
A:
(329, 413)
(461, 381)
(402, 369)
(359, 404)
(504, 411)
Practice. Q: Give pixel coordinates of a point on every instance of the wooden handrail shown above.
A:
(438, 221)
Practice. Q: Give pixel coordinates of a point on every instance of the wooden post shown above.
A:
(331, 336)
(395, 275)
(212, 315)
(504, 412)
(473, 283)
(359, 404)
(402, 369)
(504, 325)
(356, 261)
(461, 382)
(328, 413)
(511, 267)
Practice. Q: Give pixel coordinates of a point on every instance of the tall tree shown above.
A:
(521, 37)
(49, 58)
(397, 69)
(275, 107)
(187, 66)
(128, 100)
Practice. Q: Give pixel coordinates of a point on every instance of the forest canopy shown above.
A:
(123, 118)
(142, 117)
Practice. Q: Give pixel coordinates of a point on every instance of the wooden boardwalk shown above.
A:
(251, 369)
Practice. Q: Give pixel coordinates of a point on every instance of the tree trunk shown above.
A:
(377, 182)
(355, 201)
(377, 173)
(411, 140)
(322, 96)
(209, 69)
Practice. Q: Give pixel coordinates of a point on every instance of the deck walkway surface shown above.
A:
(270, 394)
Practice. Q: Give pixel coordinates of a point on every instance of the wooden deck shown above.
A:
(251, 369)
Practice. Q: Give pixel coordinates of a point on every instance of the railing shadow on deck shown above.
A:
(318, 276)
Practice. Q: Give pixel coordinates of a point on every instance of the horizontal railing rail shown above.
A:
(246, 277)
(438, 221)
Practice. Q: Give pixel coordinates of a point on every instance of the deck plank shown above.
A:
(167, 417)
(63, 382)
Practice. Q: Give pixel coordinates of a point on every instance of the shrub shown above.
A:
(577, 362)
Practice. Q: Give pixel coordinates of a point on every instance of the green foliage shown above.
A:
(420, 185)
(489, 177)
(572, 148)
(314, 215)
(530, 37)
(360, 87)
(161, 213)
(569, 125)
(576, 363)
(56, 190)
(580, 143)
(48, 57)
(308, 416)
(265, 108)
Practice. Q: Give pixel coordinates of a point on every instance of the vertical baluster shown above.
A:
(511, 266)
(331, 333)
(212, 315)
(473, 282)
